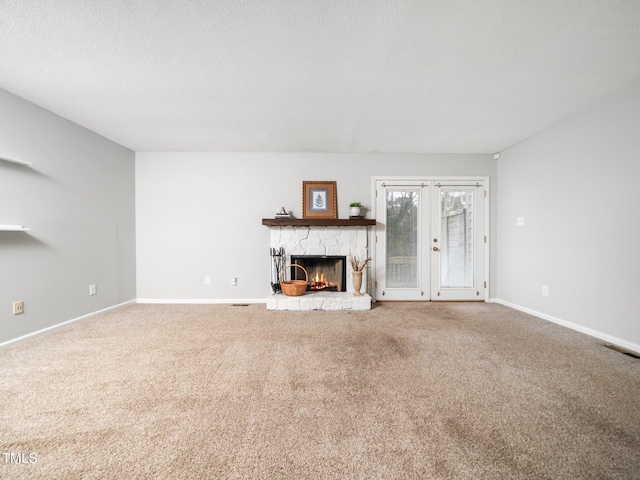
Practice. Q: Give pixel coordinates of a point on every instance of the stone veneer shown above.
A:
(348, 241)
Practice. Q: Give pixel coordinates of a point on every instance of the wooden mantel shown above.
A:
(317, 222)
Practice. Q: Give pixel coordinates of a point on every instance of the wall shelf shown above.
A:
(318, 222)
(13, 228)
(14, 160)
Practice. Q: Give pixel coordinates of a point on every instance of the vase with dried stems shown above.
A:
(356, 275)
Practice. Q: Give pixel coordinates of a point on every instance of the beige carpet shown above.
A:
(406, 390)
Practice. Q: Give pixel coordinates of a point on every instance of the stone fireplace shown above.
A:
(323, 243)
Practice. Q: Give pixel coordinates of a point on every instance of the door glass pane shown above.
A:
(402, 238)
(457, 237)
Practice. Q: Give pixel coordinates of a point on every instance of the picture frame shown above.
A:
(319, 199)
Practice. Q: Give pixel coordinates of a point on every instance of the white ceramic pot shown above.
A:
(354, 211)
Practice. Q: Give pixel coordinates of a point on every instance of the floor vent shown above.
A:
(239, 304)
(622, 350)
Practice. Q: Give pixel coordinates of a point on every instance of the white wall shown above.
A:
(185, 200)
(577, 187)
(78, 200)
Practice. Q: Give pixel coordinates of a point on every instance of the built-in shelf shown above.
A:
(318, 222)
(14, 160)
(13, 228)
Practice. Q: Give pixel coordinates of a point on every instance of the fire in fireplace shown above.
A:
(326, 272)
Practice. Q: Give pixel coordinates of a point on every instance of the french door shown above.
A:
(430, 241)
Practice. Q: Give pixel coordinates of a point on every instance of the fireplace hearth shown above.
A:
(326, 273)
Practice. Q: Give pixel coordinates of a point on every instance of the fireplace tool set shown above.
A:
(277, 263)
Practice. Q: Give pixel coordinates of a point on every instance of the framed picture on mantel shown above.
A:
(319, 200)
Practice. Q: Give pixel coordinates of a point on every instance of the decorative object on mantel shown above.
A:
(294, 288)
(283, 214)
(277, 260)
(354, 210)
(356, 275)
(319, 200)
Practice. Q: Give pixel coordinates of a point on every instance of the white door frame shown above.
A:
(436, 178)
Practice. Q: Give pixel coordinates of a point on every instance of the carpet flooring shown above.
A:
(406, 390)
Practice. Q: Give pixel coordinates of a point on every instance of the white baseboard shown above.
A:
(58, 325)
(573, 326)
(201, 301)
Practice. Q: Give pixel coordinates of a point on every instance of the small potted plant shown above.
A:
(354, 210)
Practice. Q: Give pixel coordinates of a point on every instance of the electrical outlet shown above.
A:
(234, 281)
(545, 290)
(207, 280)
(92, 289)
(520, 221)
(18, 307)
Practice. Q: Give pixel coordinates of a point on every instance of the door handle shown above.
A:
(436, 249)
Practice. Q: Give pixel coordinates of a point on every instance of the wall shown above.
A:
(576, 186)
(185, 200)
(78, 200)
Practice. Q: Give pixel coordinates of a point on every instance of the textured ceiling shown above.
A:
(318, 75)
